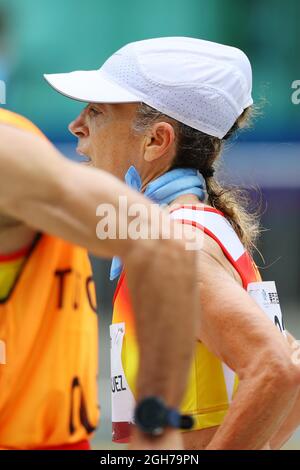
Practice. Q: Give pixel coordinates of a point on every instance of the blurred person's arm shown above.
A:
(49, 193)
(292, 421)
(14, 235)
(234, 328)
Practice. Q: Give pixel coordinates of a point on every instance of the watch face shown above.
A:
(151, 415)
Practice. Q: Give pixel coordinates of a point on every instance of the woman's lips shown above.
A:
(79, 151)
(86, 158)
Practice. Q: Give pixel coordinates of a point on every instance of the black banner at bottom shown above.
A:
(133, 459)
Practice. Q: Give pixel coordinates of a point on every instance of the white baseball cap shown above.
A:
(202, 84)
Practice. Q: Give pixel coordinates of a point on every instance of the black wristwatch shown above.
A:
(152, 416)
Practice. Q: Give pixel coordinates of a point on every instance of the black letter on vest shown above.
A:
(82, 409)
(61, 273)
(87, 284)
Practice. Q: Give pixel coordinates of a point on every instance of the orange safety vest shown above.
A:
(48, 325)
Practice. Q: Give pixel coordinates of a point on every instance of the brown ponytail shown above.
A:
(195, 149)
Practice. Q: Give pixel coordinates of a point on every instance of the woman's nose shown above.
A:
(78, 127)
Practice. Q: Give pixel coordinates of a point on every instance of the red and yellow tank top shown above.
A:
(48, 326)
(211, 384)
(10, 266)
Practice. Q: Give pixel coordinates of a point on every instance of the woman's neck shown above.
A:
(186, 199)
(151, 177)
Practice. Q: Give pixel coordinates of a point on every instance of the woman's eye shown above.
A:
(94, 111)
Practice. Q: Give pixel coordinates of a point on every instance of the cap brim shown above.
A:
(91, 86)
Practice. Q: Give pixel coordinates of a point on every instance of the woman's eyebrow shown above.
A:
(98, 105)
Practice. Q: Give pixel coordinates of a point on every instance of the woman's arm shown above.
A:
(239, 333)
(292, 421)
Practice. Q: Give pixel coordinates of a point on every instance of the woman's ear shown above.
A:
(159, 142)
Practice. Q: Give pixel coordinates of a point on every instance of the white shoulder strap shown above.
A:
(217, 225)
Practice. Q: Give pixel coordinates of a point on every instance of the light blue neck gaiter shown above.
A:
(163, 190)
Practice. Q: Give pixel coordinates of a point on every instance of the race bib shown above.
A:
(266, 297)
(122, 401)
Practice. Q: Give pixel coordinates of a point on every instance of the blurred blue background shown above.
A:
(39, 37)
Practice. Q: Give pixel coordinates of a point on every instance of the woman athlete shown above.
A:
(190, 96)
